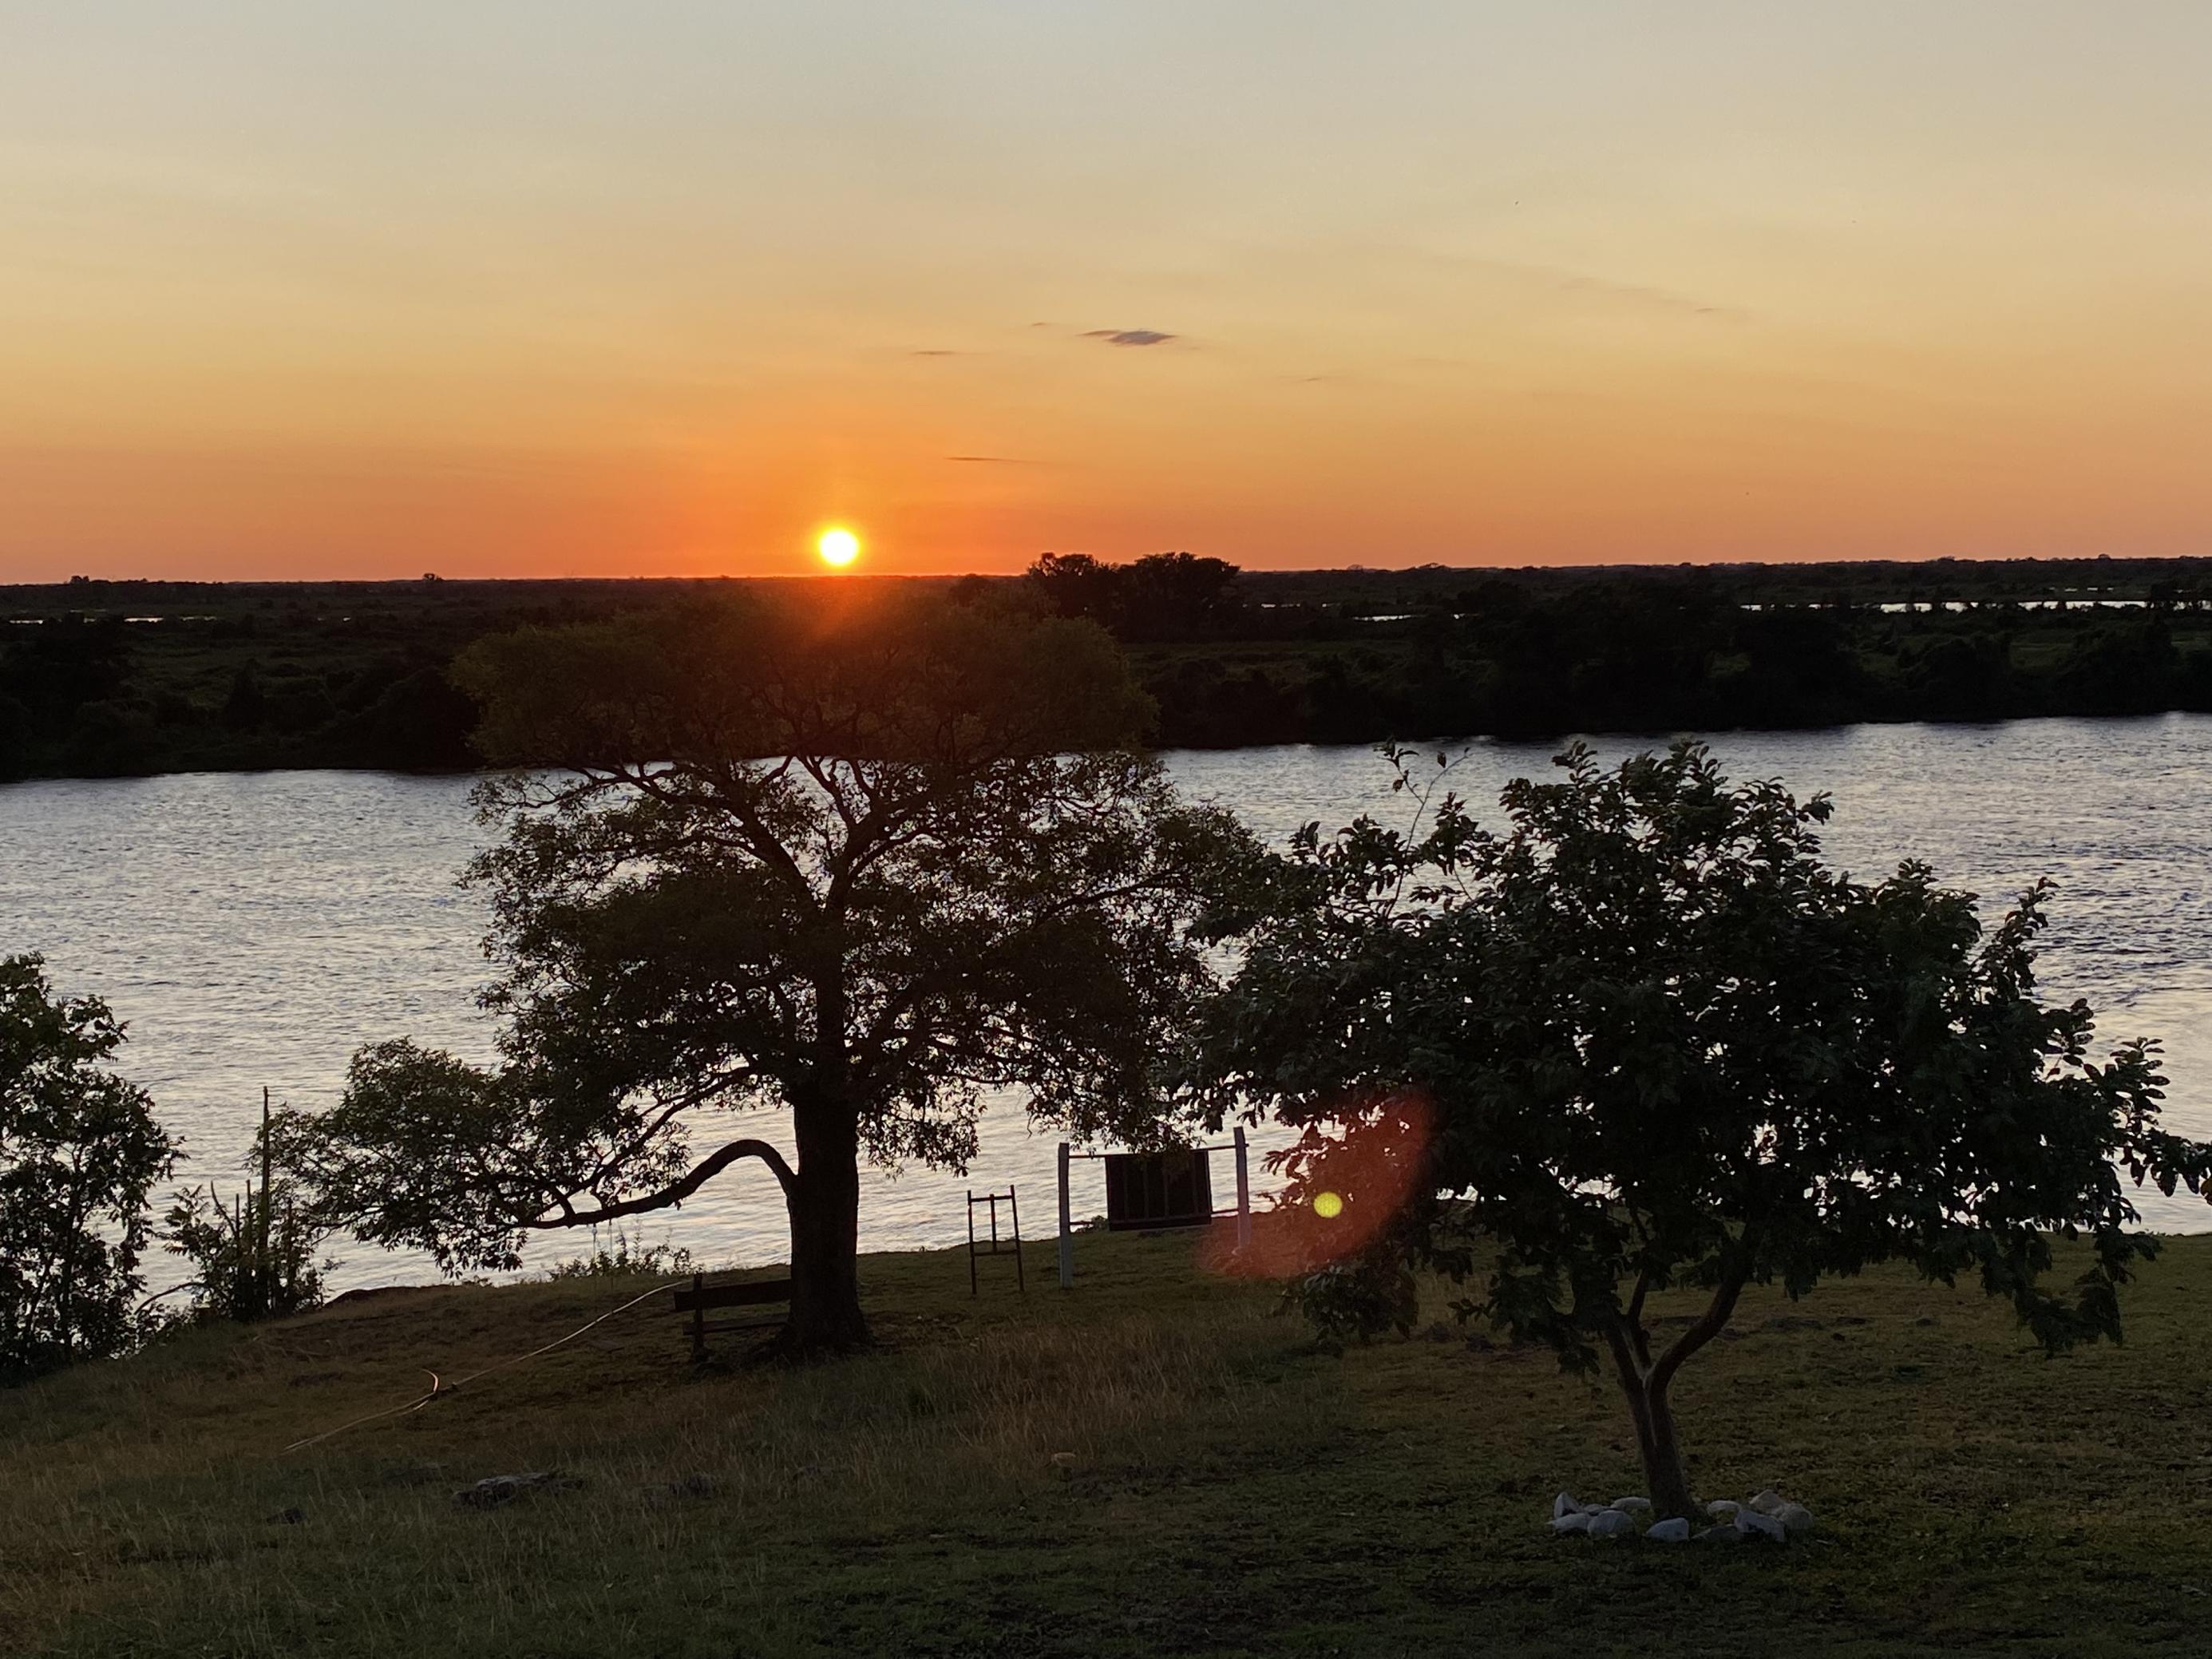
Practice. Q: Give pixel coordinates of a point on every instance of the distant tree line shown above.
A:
(76, 701)
(1511, 658)
(99, 679)
(205, 677)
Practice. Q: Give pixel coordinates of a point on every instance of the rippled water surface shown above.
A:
(254, 929)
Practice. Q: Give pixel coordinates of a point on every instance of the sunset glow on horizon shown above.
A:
(559, 288)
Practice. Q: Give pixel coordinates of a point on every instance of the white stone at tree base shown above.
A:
(1769, 1515)
(1750, 1521)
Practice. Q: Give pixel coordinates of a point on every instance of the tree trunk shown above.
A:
(825, 1235)
(1645, 1381)
(1668, 1485)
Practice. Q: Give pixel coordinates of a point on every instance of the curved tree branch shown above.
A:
(1710, 1323)
(704, 1171)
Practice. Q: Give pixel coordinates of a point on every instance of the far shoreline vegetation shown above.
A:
(135, 677)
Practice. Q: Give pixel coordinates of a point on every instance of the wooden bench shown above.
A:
(745, 1293)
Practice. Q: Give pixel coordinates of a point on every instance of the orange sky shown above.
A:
(551, 288)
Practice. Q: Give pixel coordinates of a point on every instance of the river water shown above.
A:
(254, 929)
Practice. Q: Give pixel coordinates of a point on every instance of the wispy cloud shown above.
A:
(1127, 337)
(936, 352)
(994, 461)
(1405, 277)
(1642, 294)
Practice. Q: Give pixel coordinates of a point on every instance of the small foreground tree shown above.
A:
(1644, 1038)
(79, 1152)
(864, 859)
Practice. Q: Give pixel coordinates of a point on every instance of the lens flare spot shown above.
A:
(1329, 1206)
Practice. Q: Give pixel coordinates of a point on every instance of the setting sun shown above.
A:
(838, 547)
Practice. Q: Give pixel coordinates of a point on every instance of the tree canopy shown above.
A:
(1642, 1037)
(867, 860)
(1162, 596)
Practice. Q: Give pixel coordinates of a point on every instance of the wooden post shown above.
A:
(698, 1319)
(1067, 1234)
(1013, 1204)
(971, 1241)
(268, 1274)
(1244, 1195)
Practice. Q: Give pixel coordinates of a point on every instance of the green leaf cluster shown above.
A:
(79, 1152)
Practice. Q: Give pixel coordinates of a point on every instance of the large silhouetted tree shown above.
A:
(865, 858)
(1642, 1038)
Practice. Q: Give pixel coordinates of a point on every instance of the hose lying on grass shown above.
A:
(438, 1386)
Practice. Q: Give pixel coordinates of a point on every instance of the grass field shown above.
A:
(1233, 1490)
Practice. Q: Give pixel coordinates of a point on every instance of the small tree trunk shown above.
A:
(1646, 1382)
(1668, 1485)
(825, 1235)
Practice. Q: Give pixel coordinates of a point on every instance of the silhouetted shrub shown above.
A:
(79, 1151)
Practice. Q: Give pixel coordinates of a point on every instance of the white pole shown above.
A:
(1243, 1196)
(1066, 1232)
